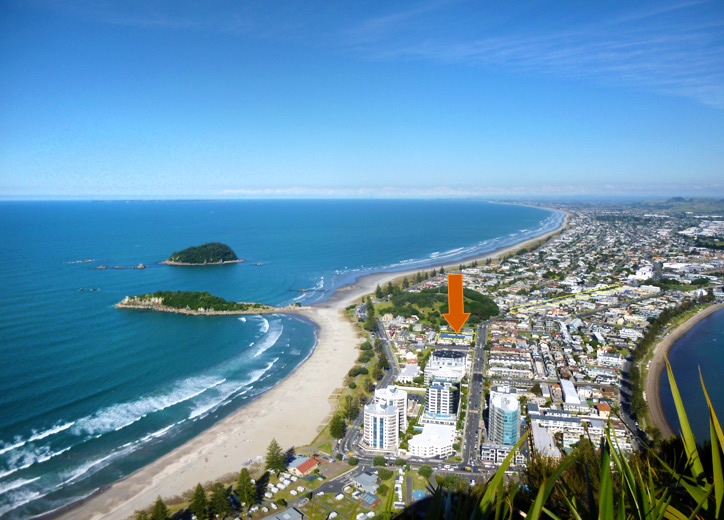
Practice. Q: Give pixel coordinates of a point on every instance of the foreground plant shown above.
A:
(616, 487)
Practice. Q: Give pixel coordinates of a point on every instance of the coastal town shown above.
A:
(563, 359)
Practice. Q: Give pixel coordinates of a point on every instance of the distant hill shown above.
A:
(683, 204)
(205, 254)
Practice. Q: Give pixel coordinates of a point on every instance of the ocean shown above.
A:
(90, 393)
(700, 348)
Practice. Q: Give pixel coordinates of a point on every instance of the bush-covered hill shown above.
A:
(431, 304)
(211, 253)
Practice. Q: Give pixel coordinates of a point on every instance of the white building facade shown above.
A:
(435, 441)
(381, 427)
(393, 396)
(451, 365)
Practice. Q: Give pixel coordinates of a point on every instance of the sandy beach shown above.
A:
(293, 412)
(653, 377)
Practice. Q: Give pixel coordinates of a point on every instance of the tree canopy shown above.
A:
(425, 471)
(159, 511)
(480, 306)
(336, 426)
(275, 458)
(198, 300)
(245, 488)
(210, 253)
(219, 502)
(199, 503)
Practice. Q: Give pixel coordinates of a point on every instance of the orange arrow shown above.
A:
(456, 316)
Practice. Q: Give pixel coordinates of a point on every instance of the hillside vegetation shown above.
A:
(431, 304)
(211, 253)
(196, 300)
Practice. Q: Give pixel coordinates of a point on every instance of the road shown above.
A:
(350, 442)
(471, 432)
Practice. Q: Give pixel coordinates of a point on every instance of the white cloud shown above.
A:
(673, 49)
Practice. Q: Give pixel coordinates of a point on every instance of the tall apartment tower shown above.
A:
(442, 398)
(381, 427)
(504, 415)
(391, 395)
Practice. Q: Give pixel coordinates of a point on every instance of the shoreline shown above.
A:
(652, 385)
(191, 312)
(367, 283)
(189, 264)
(284, 412)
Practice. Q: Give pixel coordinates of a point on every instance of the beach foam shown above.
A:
(122, 415)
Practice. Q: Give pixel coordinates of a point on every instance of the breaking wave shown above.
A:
(121, 415)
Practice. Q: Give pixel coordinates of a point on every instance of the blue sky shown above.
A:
(222, 99)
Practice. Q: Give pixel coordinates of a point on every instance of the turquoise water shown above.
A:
(700, 348)
(90, 393)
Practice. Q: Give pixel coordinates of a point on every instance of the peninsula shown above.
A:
(185, 302)
(212, 253)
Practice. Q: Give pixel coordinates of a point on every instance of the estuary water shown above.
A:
(90, 393)
(699, 349)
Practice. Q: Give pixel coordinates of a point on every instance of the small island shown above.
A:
(185, 302)
(213, 253)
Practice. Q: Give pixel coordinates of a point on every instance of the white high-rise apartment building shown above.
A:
(381, 427)
(442, 397)
(391, 395)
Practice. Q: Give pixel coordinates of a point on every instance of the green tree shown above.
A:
(275, 459)
(369, 386)
(336, 426)
(384, 364)
(159, 511)
(199, 503)
(378, 292)
(425, 471)
(141, 515)
(379, 460)
(353, 461)
(245, 488)
(351, 407)
(385, 474)
(371, 323)
(219, 503)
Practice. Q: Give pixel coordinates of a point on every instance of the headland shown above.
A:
(192, 303)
